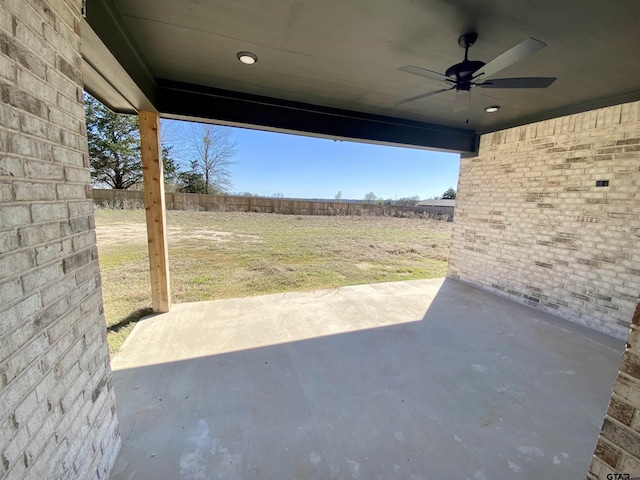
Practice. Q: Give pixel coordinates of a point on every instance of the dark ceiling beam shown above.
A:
(109, 52)
(181, 100)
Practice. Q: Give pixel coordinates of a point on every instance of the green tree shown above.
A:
(191, 182)
(114, 146)
(449, 194)
(171, 170)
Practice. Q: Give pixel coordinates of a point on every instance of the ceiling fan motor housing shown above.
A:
(463, 72)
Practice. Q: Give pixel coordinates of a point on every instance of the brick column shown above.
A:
(618, 448)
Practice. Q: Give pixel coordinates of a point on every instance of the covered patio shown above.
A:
(417, 379)
(381, 381)
(412, 380)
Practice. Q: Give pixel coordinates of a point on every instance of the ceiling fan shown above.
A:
(473, 73)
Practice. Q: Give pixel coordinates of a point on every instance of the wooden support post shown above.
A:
(154, 204)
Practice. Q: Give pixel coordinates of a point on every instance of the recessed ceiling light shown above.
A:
(492, 108)
(247, 58)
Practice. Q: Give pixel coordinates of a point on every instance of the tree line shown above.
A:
(371, 198)
(197, 163)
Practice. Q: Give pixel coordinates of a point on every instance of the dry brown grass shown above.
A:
(216, 255)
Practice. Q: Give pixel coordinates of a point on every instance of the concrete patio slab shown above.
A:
(427, 379)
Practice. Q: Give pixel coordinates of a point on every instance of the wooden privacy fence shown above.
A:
(233, 203)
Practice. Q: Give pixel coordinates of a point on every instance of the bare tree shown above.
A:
(212, 150)
(370, 198)
(408, 201)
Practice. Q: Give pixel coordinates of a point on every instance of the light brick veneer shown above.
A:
(531, 224)
(57, 408)
(618, 448)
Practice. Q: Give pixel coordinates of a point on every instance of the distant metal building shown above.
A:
(436, 207)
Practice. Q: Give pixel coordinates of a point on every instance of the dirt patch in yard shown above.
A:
(110, 235)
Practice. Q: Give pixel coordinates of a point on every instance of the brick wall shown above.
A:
(57, 409)
(531, 224)
(618, 448)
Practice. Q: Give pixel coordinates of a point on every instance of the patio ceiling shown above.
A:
(331, 68)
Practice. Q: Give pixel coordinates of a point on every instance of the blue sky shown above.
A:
(305, 167)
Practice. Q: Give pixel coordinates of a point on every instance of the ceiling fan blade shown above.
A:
(418, 97)
(511, 56)
(423, 72)
(462, 101)
(525, 82)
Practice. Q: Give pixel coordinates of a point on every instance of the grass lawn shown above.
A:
(221, 255)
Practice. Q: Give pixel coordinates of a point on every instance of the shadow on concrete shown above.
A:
(475, 387)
